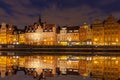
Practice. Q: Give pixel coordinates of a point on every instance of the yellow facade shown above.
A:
(107, 32)
(68, 36)
(41, 35)
(22, 39)
(3, 34)
(85, 35)
(102, 33)
(98, 33)
(111, 31)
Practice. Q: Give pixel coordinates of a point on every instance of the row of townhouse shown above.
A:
(98, 33)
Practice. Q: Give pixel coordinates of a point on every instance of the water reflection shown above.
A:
(106, 67)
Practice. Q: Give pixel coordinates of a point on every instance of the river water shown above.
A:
(97, 67)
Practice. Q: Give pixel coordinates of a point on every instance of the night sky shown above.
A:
(60, 12)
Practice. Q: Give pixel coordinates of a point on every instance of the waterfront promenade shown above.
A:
(83, 50)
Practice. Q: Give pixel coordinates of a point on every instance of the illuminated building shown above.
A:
(15, 39)
(62, 36)
(6, 33)
(49, 34)
(106, 32)
(3, 33)
(98, 33)
(85, 35)
(41, 34)
(73, 35)
(21, 37)
(111, 31)
(9, 32)
(68, 35)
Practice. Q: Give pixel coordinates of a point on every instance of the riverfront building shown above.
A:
(106, 32)
(98, 33)
(68, 35)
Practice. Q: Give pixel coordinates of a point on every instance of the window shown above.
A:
(75, 30)
(70, 30)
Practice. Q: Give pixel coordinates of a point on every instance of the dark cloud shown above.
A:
(71, 16)
(108, 2)
(62, 12)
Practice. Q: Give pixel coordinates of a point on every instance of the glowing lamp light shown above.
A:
(95, 62)
(44, 60)
(116, 40)
(45, 40)
(116, 62)
(95, 39)
(113, 58)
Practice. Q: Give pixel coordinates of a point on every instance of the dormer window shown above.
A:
(75, 30)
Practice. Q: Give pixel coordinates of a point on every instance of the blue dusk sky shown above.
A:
(60, 12)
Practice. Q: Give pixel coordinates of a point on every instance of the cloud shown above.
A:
(2, 12)
(15, 2)
(24, 12)
(116, 14)
(108, 2)
(71, 16)
(20, 13)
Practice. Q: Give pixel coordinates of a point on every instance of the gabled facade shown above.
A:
(85, 33)
(6, 33)
(98, 33)
(106, 32)
(41, 34)
(68, 35)
(111, 31)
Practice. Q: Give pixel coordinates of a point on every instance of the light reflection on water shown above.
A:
(106, 67)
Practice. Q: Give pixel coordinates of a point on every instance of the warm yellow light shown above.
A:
(116, 62)
(69, 62)
(51, 38)
(50, 61)
(45, 40)
(113, 58)
(116, 40)
(69, 39)
(95, 62)
(14, 60)
(95, 39)
(44, 60)
(63, 57)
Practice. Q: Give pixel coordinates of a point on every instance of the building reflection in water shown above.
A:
(106, 67)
